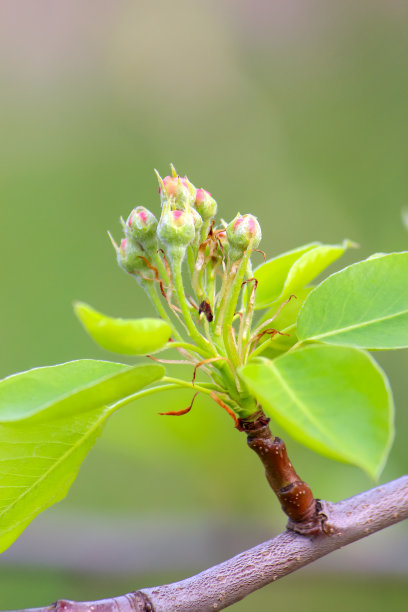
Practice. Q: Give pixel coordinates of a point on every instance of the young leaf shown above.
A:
(71, 387)
(310, 265)
(288, 313)
(288, 273)
(40, 457)
(272, 274)
(275, 346)
(126, 336)
(365, 305)
(335, 400)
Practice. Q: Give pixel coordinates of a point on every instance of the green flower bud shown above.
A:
(131, 258)
(243, 232)
(179, 190)
(141, 227)
(128, 255)
(176, 230)
(205, 204)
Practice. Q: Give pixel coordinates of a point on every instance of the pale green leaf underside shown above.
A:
(40, 455)
(38, 463)
(125, 336)
(335, 400)
(290, 272)
(71, 387)
(365, 305)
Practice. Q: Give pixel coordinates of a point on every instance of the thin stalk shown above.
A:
(230, 309)
(152, 293)
(184, 383)
(140, 394)
(271, 344)
(190, 260)
(185, 309)
(249, 314)
(188, 347)
(162, 268)
(227, 281)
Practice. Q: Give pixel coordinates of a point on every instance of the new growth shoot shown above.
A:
(198, 275)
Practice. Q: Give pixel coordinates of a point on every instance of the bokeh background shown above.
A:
(295, 111)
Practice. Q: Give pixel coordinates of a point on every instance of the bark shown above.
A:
(225, 584)
(295, 496)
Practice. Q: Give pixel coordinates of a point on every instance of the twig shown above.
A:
(295, 496)
(225, 584)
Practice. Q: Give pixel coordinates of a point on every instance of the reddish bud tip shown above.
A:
(205, 204)
(243, 232)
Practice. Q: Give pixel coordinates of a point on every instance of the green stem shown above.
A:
(140, 394)
(190, 260)
(162, 269)
(189, 347)
(231, 303)
(227, 281)
(151, 291)
(185, 309)
(184, 383)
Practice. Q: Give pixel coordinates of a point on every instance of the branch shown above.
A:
(225, 584)
(294, 495)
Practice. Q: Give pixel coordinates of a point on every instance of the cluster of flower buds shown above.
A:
(186, 226)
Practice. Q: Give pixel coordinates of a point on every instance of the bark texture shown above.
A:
(295, 496)
(225, 584)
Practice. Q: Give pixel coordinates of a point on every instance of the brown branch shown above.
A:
(295, 496)
(225, 584)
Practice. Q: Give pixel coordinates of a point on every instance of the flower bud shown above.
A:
(128, 255)
(141, 227)
(197, 220)
(205, 204)
(243, 232)
(176, 230)
(179, 190)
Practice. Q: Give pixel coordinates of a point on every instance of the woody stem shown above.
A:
(295, 496)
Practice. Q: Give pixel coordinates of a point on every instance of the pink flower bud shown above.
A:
(128, 255)
(179, 190)
(243, 232)
(176, 230)
(205, 204)
(141, 227)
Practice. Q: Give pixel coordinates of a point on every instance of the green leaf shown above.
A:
(285, 315)
(288, 273)
(274, 347)
(40, 457)
(71, 387)
(365, 305)
(282, 317)
(125, 336)
(272, 274)
(335, 400)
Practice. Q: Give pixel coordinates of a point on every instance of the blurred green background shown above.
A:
(296, 112)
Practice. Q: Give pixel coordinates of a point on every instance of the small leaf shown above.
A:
(125, 336)
(274, 347)
(271, 275)
(71, 387)
(311, 264)
(288, 312)
(288, 273)
(365, 305)
(335, 400)
(284, 322)
(40, 457)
